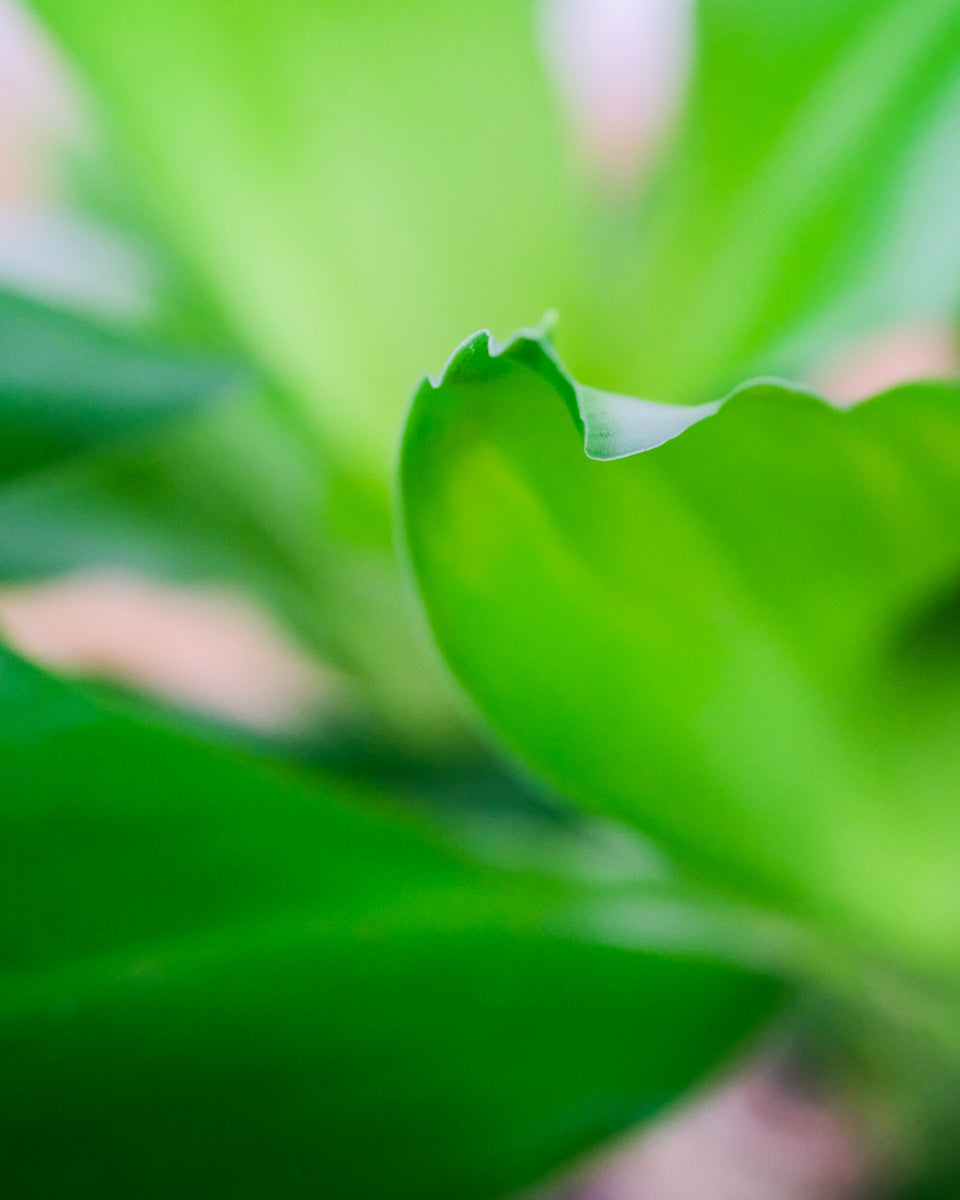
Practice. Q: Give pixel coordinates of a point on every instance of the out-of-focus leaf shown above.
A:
(810, 199)
(939, 1189)
(744, 639)
(153, 476)
(225, 495)
(232, 496)
(68, 385)
(354, 180)
(217, 978)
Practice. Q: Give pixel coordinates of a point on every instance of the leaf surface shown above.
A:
(742, 638)
(217, 977)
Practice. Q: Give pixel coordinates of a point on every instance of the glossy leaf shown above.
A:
(742, 638)
(808, 201)
(68, 385)
(216, 977)
(353, 180)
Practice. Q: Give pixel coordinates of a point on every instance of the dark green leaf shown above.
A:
(218, 979)
(232, 497)
(744, 639)
(68, 385)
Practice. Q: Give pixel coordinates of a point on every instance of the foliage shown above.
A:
(747, 605)
(722, 617)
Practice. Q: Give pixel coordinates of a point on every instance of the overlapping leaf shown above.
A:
(68, 385)
(741, 636)
(218, 978)
(359, 183)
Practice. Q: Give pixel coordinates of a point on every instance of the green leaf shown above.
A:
(936, 1189)
(743, 639)
(218, 978)
(153, 475)
(223, 495)
(352, 225)
(352, 180)
(231, 496)
(808, 201)
(67, 385)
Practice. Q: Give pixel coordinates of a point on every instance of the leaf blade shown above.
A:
(701, 638)
(217, 976)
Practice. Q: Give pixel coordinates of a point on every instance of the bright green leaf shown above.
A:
(353, 180)
(359, 183)
(809, 201)
(68, 385)
(742, 638)
(216, 978)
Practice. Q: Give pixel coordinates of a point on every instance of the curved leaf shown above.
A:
(217, 978)
(352, 224)
(744, 638)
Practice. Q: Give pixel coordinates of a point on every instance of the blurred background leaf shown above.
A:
(353, 180)
(122, 452)
(68, 385)
(806, 203)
